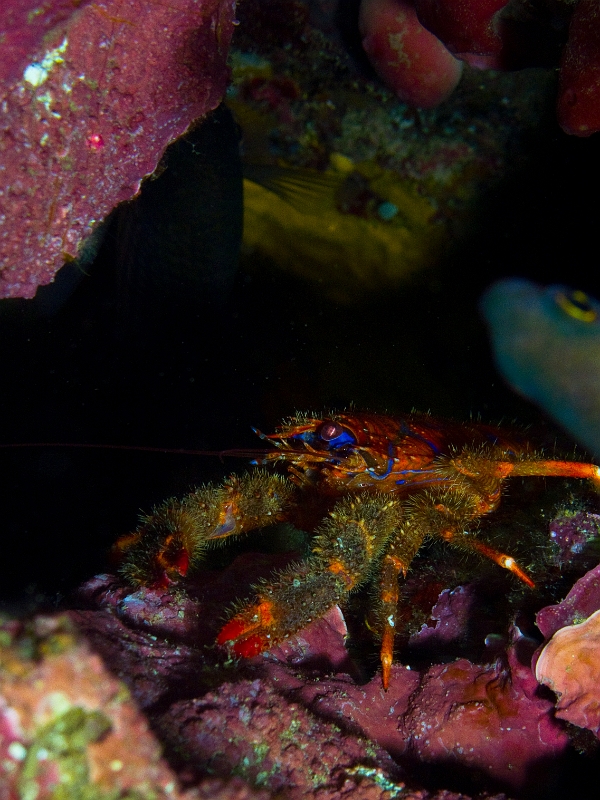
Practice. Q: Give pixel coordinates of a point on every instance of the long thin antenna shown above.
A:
(234, 453)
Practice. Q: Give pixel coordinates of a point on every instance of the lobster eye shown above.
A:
(330, 430)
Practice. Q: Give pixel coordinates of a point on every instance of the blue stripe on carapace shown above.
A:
(411, 471)
(420, 483)
(384, 475)
(414, 435)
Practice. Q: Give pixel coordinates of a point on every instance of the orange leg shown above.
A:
(502, 559)
(559, 469)
(346, 545)
(449, 515)
(467, 541)
(480, 468)
(399, 554)
(391, 568)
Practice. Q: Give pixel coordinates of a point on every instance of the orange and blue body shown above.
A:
(370, 487)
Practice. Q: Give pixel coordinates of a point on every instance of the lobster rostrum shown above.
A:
(371, 487)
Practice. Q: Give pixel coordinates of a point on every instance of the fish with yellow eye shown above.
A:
(546, 343)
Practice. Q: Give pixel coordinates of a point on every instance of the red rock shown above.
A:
(409, 59)
(579, 87)
(64, 719)
(491, 34)
(485, 719)
(23, 24)
(92, 94)
(465, 26)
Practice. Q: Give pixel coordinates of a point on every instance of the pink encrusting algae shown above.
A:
(91, 95)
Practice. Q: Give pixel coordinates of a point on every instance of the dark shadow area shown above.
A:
(201, 379)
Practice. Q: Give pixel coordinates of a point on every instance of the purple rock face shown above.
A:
(270, 712)
(450, 614)
(277, 743)
(301, 720)
(92, 93)
(571, 535)
(484, 718)
(582, 600)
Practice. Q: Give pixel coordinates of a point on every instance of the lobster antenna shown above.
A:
(233, 453)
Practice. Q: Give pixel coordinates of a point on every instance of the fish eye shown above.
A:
(330, 430)
(576, 304)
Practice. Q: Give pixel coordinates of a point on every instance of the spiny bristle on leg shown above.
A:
(173, 538)
(347, 546)
(162, 548)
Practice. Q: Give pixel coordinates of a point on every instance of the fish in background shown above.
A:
(546, 343)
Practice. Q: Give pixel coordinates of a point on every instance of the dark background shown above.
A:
(248, 355)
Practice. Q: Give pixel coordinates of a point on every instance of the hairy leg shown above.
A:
(175, 535)
(347, 545)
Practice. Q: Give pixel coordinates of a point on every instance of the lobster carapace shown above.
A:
(381, 484)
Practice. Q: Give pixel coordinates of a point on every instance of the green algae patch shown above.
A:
(57, 758)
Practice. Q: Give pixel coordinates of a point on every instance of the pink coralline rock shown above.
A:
(316, 738)
(579, 90)
(580, 603)
(251, 727)
(486, 719)
(23, 25)
(155, 640)
(366, 709)
(570, 665)
(66, 721)
(65, 718)
(298, 717)
(91, 95)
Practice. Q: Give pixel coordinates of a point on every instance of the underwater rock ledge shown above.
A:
(92, 93)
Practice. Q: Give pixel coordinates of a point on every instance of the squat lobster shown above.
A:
(383, 485)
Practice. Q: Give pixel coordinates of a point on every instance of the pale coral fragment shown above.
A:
(570, 665)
